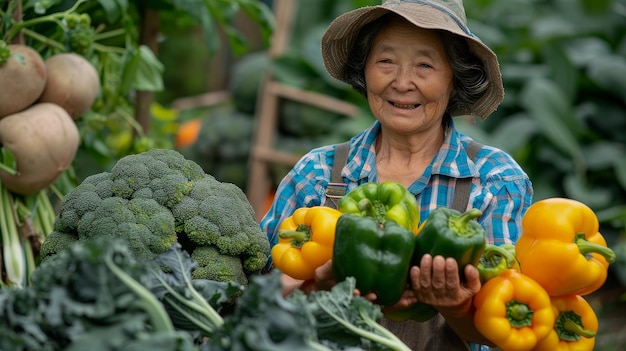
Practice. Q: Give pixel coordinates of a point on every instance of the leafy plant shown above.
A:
(108, 33)
(96, 294)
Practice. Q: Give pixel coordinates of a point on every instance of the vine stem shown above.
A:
(17, 28)
(47, 41)
(17, 17)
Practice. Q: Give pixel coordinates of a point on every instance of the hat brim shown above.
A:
(341, 33)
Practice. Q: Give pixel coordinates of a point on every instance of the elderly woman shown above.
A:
(419, 66)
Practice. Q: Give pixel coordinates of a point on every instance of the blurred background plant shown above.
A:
(122, 39)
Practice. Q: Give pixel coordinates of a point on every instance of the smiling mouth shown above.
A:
(404, 107)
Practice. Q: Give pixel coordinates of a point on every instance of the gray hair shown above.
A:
(470, 77)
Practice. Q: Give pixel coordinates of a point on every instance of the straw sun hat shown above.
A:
(448, 15)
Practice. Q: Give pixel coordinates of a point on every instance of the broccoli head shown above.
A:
(157, 198)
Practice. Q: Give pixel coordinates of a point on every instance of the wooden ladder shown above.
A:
(263, 153)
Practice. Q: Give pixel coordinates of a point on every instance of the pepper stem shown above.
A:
(569, 327)
(519, 314)
(373, 208)
(494, 254)
(576, 328)
(587, 248)
(460, 223)
(298, 237)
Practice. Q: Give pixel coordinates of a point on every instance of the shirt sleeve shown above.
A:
(503, 195)
(303, 186)
(503, 207)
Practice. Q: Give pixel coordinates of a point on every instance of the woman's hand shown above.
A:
(436, 282)
(323, 280)
(408, 299)
(323, 277)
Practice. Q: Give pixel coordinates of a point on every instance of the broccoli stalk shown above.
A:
(380, 334)
(158, 316)
(180, 293)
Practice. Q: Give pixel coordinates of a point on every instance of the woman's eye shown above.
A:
(425, 65)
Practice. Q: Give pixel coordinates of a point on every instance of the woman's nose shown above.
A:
(403, 81)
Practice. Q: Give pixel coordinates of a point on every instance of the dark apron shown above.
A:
(432, 335)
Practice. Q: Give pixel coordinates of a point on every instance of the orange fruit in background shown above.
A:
(187, 133)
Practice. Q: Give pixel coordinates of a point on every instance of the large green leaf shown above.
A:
(576, 187)
(597, 6)
(546, 103)
(609, 72)
(114, 9)
(522, 72)
(472, 130)
(143, 71)
(514, 132)
(260, 13)
(620, 171)
(603, 154)
(564, 73)
(149, 76)
(584, 50)
(553, 26)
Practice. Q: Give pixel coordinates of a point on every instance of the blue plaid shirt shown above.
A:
(500, 188)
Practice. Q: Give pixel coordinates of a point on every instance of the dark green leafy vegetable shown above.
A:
(97, 295)
(91, 296)
(347, 320)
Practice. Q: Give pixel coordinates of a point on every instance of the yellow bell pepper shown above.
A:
(561, 248)
(575, 328)
(513, 311)
(305, 241)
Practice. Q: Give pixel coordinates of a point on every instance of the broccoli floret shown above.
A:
(200, 231)
(170, 189)
(56, 242)
(178, 163)
(81, 200)
(147, 226)
(145, 193)
(185, 209)
(130, 176)
(215, 266)
(157, 198)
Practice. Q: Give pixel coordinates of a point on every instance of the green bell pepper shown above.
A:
(384, 201)
(449, 233)
(377, 255)
(495, 259)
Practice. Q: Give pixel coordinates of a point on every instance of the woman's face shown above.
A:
(408, 78)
